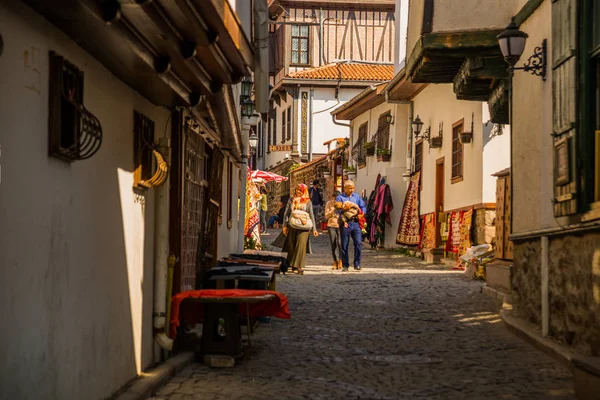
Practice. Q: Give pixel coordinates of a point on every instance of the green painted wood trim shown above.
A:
(526, 11)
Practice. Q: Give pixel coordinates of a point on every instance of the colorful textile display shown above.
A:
(382, 208)
(370, 215)
(276, 306)
(252, 213)
(465, 231)
(428, 232)
(454, 232)
(409, 228)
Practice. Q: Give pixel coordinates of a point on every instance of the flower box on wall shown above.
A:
(436, 142)
(466, 137)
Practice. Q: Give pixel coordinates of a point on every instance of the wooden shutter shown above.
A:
(564, 105)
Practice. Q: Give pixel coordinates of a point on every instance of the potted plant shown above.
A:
(370, 148)
(384, 154)
(436, 142)
(350, 170)
(466, 137)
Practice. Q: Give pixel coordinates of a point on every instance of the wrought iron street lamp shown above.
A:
(253, 139)
(247, 108)
(417, 125)
(512, 44)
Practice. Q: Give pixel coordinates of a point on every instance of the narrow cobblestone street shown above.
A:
(398, 329)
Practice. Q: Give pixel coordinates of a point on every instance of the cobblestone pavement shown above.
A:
(398, 329)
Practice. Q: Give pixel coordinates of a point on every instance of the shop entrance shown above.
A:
(439, 198)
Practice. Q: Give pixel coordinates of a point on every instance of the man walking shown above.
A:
(317, 200)
(352, 227)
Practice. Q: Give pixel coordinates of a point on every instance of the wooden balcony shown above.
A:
(455, 42)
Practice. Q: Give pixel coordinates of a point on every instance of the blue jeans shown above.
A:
(353, 230)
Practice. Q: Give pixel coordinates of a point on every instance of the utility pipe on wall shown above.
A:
(544, 289)
(161, 250)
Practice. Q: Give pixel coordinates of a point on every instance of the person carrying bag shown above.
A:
(298, 225)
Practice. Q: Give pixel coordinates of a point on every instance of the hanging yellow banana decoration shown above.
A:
(160, 176)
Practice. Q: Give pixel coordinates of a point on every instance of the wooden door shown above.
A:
(504, 247)
(188, 202)
(439, 198)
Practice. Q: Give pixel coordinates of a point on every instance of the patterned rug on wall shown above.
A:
(409, 229)
(453, 242)
(429, 231)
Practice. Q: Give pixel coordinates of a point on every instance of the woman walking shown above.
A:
(333, 228)
(298, 224)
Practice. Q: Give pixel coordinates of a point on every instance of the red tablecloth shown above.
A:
(276, 306)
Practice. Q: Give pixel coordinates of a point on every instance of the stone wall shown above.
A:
(574, 288)
(484, 230)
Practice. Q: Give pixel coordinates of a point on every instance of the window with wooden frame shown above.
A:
(419, 160)
(283, 125)
(143, 143)
(383, 131)
(229, 194)
(289, 123)
(362, 140)
(300, 44)
(457, 151)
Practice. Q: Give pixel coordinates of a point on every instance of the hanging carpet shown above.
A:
(409, 228)
(428, 232)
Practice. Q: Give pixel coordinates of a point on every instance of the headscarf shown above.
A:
(302, 199)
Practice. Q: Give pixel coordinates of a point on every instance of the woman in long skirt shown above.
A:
(299, 210)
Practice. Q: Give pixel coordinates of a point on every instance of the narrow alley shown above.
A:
(398, 329)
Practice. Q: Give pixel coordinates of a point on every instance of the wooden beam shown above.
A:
(436, 56)
(526, 11)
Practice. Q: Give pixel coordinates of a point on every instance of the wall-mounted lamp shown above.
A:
(512, 44)
(253, 139)
(246, 101)
(417, 125)
(389, 119)
(247, 108)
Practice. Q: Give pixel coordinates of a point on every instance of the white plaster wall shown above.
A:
(533, 187)
(496, 155)
(415, 22)
(401, 26)
(324, 129)
(437, 103)
(76, 249)
(366, 177)
(273, 157)
(449, 15)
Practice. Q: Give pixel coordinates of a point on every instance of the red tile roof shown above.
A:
(348, 71)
